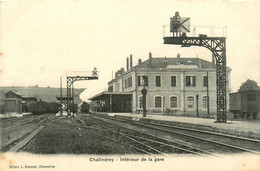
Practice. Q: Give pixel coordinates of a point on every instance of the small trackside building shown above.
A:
(174, 85)
(13, 102)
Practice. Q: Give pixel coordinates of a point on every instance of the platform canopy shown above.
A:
(106, 94)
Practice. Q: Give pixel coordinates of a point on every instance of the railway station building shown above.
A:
(176, 85)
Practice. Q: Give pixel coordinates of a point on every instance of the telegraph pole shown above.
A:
(73, 99)
(197, 104)
(61, 96)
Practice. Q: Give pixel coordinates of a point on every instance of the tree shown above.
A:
(249, 85)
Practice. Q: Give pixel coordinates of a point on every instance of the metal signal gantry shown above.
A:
(70, 81)
(217, 45)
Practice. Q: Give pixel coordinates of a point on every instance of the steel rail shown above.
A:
(167, 145)
(23, 123)
(190, 136)
(187, 146)
(167, 140)
(13, 121)
(202, 131)
(139, 142)
(147, 146)
(11, 141)
(85, 127)
(139, 149)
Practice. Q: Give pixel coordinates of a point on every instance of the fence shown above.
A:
(196, 30)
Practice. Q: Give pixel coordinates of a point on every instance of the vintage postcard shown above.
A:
(129, 85)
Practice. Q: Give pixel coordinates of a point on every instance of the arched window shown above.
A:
(158, 102)
(204, 102)
(190, 102)
(173, 102)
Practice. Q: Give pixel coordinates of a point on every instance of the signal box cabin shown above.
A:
(174, 85)
(13, 102)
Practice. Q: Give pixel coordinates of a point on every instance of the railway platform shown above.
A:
(245, 128)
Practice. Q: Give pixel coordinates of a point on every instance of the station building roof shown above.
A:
(166, 61)
(11, 94)
(14, 92)
(106, 94)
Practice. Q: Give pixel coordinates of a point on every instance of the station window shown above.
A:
(110, 89)
(158, 81)
(142, 80)
(173, 102)
(251, 97)
(205, 81)
(190, 81)
(190, 102)
(204, 102)
(173, 81)
(128, 82)
(158, 102)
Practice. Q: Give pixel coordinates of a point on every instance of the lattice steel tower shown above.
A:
(70, 81)
(217, 45)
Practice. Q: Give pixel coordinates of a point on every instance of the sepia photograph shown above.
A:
(129, 85)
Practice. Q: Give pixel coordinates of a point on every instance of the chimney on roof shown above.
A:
(165, 60)
(127, 63)
(139, 61)
(178, 56)
(131, 61)
(150, 57)
(119, 72)
(213, 59)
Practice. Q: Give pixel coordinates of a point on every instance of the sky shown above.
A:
(42, 40)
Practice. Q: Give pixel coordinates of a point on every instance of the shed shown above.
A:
(13, 102)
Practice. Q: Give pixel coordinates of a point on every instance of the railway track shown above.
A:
(107, 129)
(6, 122)
(20, 123)
(149, 143)
(84, 125)
(12, 136)
(222, 140)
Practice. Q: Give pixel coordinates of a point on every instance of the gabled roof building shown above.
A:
(13, 102)
(173, 86)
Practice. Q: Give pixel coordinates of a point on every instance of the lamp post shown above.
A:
(197, 104)
(208, 93)
(144, 92)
